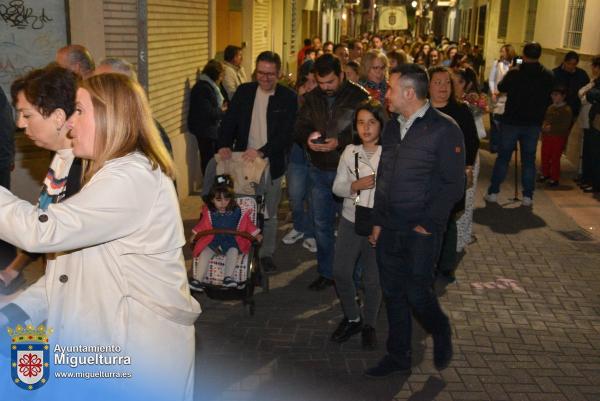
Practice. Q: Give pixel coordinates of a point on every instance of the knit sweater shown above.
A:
(559, 118)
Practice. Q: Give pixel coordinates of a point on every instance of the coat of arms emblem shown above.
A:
(30, 356)
(392, 18)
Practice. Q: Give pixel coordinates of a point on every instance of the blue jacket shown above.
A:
(421, 177)
(281, 116)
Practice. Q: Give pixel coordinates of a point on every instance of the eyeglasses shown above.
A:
(266, 74)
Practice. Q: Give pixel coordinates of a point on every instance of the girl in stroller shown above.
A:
(221, 212)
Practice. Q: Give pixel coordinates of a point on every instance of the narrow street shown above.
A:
(525, 312)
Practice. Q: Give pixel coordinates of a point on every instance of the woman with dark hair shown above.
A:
(499, 69)
(434, 58)
(466, 89)
(442, 97)
(44, 99)
(396, 58)
(355, 183)
(207, 108)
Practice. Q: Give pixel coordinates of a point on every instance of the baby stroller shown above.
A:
(247, 273)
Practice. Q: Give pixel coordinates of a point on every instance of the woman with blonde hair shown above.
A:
(374, 74)
(117, 277)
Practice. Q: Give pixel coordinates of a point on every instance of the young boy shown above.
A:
(555, 131)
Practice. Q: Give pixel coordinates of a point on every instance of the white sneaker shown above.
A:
(527, 201)
(292, 237)
(310, 244)
(492, 198)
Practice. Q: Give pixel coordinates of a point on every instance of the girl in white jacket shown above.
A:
(350, 247)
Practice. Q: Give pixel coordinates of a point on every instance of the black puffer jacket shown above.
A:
(335, 122)
(420, 178)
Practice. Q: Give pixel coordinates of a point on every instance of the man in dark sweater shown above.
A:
(419, 179)
(527, 89)
(324, 126)
(572, 78)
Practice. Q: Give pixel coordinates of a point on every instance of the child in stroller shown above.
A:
(221, 212)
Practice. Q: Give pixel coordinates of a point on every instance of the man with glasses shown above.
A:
(325, 128)
(259, 122)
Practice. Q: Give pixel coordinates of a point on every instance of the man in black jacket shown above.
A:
(419, 179)
(527, 89)
(324, 126)
(260, 122)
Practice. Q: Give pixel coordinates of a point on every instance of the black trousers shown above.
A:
(406, 261)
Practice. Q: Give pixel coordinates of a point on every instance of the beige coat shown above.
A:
(117, 275)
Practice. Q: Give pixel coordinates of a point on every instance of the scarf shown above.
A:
(206, 78)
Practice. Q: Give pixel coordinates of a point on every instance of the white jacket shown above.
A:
(345, 177)
(233, 76)
(117, 274)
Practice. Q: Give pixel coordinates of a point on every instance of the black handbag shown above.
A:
(363, 216)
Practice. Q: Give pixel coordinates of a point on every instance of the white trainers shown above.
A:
(492, 198)
(292, 237)
(527, 201)
(310, 244)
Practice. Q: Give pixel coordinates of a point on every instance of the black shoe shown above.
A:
(552, 184)
(345, 330)
(267, 265)
(542, 179)
(589, 190)
(442, 348)
(369, 338)
(320, 283)
(388, 366)
(196, 285)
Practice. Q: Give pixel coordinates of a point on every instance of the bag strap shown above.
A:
(356, 170)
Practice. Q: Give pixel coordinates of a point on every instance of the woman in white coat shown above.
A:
(362, 161)
(117, 274)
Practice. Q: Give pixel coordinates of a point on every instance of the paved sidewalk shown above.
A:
(525, 312)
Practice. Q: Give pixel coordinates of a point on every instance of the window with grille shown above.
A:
(574, 24)
(530, 27)
(503, 23)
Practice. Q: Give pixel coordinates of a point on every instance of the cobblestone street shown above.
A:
(525, 312)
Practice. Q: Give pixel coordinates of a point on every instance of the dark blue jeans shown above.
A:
(406, 261)
(324, 206)
(299, 186)
(527, 136)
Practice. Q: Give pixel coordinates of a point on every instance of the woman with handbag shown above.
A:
(355, 182)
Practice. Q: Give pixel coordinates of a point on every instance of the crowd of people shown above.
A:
(378, 142)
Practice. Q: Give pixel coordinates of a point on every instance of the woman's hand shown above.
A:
(363, 183)
(259, 237)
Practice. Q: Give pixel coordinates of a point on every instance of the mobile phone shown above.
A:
(518, 61)
(319, 141)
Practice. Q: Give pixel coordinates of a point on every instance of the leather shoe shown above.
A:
(369, 338)
(387, 367)
(320, 283)
(267, 265)
(345, 330)
(442, 348)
